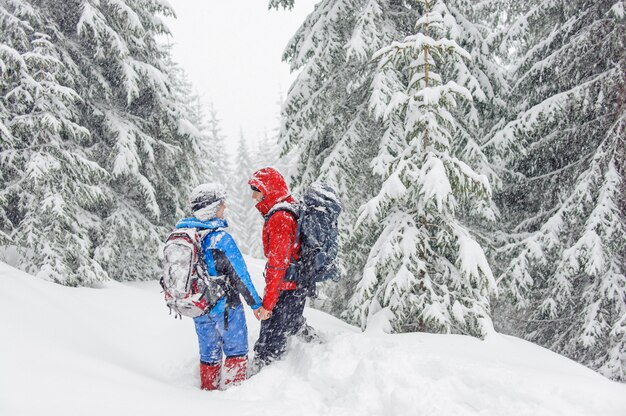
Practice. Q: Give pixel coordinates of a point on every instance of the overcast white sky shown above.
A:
(231, 50)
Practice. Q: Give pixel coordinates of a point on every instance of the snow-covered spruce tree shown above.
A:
(270, 147)
(425, 267)
(244, 218)
(276, 4)
(144, 140)
(564, 259)
(327, 129)
(126, 163)
(327, 126)
(213, 156)
(213, 162)
(48, 183)
(326, 108)
(267, 153)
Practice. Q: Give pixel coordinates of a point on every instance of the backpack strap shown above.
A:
(299, 226)
(283, 206)
(210, 266)
(207, 267)
(294, 209)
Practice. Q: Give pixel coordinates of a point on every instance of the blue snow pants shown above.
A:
(213, 337)
(286, 320)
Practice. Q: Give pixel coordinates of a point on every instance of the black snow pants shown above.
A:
(286, 320)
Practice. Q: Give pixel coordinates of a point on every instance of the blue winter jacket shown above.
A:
(222, 257)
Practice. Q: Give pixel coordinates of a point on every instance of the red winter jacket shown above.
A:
(279, 233)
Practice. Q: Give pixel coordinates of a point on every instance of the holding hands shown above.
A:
(262, 314)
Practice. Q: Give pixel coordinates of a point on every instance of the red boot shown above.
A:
(235, 370)
(210, 376)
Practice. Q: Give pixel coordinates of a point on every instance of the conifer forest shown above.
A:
(478, 147)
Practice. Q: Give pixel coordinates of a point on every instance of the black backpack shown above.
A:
(317, 215)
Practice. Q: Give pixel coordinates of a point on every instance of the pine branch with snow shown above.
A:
(562, 259)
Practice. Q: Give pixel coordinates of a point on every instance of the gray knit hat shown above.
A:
(205, 200)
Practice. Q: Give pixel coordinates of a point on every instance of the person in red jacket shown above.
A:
(283, 302)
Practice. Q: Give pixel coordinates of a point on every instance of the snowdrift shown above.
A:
(114, 350)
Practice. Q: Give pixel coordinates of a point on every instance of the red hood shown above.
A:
(273, 186)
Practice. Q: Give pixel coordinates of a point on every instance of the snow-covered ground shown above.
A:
(114, 350)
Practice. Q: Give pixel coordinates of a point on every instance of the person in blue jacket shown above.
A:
(223, 328)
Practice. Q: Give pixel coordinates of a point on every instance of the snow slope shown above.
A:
(114, 350)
